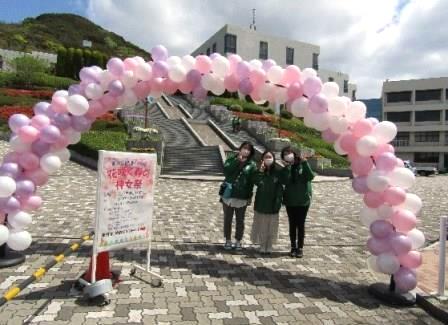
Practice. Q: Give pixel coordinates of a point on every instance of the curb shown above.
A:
(192, 131)
(184, 111)
(83, 160)
(163, 111)
(222, 135)
(431, 309)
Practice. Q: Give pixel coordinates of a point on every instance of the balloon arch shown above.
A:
(39, 145)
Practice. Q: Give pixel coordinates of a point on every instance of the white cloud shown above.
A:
(372, 40)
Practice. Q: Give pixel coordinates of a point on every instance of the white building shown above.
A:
(251, 44)
(419, 109)
(7, 56)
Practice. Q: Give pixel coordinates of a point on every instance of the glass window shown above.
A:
(289, 55)
(427, 116)
(401, 140)
(429, 136)
(398, 97)
(426, 157)
(345, 86)
(353, 95)
(230, 43)
(398, 116)
(316, 61)
(263, 52)
(208, 51)
(214, 47)
(431, 94)
(330, 79)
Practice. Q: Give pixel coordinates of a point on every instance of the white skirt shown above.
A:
(265, 230)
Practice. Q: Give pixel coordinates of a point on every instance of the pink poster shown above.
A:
(125, 199)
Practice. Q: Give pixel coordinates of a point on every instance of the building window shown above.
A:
(330, 79)
(425, 95)
(345, 86)
(426, 157)
(263, 53)
(353, 95)
(316, 61)
(214, 48)
(230, 43)
(208, 51)
(429, 136)
(446, 137)
(399, 97)
(427, 116)
(446, 115)
(289, 55)
(398, 116)
(401, 140)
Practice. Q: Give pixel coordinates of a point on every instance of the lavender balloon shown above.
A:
(75, 89)
(50, 134)
(267, 64)
(405, 279)
(10, 169)
(246, 86)
(160, 69)
(116, 88)
(243, 69)
(80, 123)
(359, 184)
(401, 244)
(24, 188)
(10, 205)
(214, 55)
(16, 121)
(40, 147)
(62, 121)
(115, 66)
(381, 229)
(87, 74)
(194, 78)
(159, 53)
(41, 108)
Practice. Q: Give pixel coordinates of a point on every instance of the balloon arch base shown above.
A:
(10, 258)
(387, 294)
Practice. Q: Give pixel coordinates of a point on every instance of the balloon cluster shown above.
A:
(39, 144)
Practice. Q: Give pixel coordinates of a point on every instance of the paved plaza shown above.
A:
(203, 283)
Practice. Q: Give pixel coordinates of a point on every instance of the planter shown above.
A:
(277, 144)
(146, 146)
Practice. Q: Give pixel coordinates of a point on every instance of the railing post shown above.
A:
(442, 256)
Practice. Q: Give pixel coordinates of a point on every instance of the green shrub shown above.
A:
(270, 111)
(286, 115)
(34, 80)
(94, 140)
(252, 110)
(236, 108)
(116, 126)
(17, 101)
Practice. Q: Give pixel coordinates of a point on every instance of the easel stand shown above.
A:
(157, 282)
(388, 295)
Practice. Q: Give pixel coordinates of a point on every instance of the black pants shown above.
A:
(239, 220)
(297, 216)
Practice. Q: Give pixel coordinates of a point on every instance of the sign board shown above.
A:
(125, 199)
(86, 43)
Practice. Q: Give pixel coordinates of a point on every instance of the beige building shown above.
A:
(419, 109)
(251, 44)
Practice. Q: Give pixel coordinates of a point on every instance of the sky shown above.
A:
(371, 40)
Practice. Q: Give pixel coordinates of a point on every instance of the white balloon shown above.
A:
(50, 163)
(19, 220)
(266, 91)
(275, 74)
(412, 203)
(128, 79)
(73, 136)
(143, 71)
(63, 154)
(308, 73)
(139, 59)
(372, 264)
(338, 149)
(330, 89)
(337, 106)
(384, 131)
(207, 81)
(338, 124)
(177, 73)
(7, 186)
(385, 211)
(218, 87)
(299, 107)
(417, 238)
(320, 121)
(377, 181)
(60, 93)
(388, 263)
(402, 177)
(19, 146)
(4, 234)
(173, 61)
(281, 95)
(128, 99)
(19, 240)
(256, 64)
(368, 215)
(220, 66)
(105, 79)
(366, 146)
(77, 105)
(94, 91)
(356, 111)
(188, 62)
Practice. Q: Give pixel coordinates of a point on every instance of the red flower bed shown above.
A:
(108, 117)
(254, 117)
(43, 94)
(7, 111)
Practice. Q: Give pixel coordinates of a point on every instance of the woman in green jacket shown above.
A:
(237, 192)
(297, 197)
(268, 201)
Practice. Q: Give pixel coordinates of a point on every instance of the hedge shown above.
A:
(95, 140)
(34, 80)
(247, 107)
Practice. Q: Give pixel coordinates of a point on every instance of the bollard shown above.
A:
(442, 256)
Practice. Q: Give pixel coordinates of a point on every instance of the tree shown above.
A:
(61, 62)
(110, 43)
(69, 70)
(88, 58)
(27, 65)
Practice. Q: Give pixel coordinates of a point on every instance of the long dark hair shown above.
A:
(268, 169)
(251, 148)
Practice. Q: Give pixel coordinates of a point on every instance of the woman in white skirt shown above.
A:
(268, 201)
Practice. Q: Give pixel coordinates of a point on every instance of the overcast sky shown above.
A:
(372, 40)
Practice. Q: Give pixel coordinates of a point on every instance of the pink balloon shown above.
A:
(382, 149)
(157, 84)
(59, 104)
(185, 87)
(257, 77)
(318, 104)
(400, 162)
(361, 166)
(37, 176)
(234, 59)
(386, 161)
(312, 86)
(362, 127)
(404, 220)
(291, 75)
(29, 161)
(246, 86)
(160, 69)
(62, 142)
(109, 102)
(115, 66)
(31, 203)
(203, 64)
(412, 259)
(231, 83)
(329, 136)
(142, 89)
(267, 64)
(381, 229)
(39, 121)
(194, 78)
(243, 69)
(405, 280)
(11, 157)
(169, 87)
(130, 64)
(359, 184)
(28, 134)
(378, 246)
(394, 195)
(374, 199)
(295, 91)
(348, 143)
(400, 243)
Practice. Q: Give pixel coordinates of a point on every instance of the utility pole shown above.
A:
(253, 25)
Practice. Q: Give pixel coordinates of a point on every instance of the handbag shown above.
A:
(225, 190)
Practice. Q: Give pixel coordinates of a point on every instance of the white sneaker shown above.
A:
(237, 245)
(228, 245)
